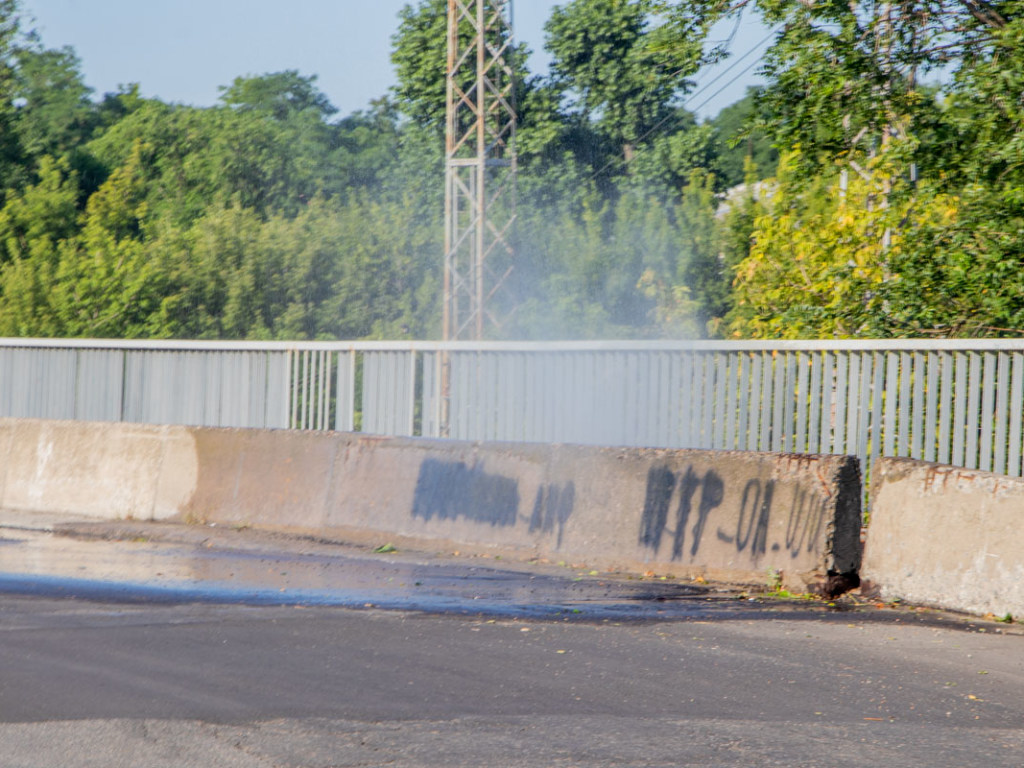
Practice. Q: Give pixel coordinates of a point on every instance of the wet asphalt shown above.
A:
(153, 645)
(55, 556)
(169, 563)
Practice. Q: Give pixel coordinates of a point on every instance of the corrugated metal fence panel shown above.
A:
(430, 401)
(345, 402)
(99, 384)
(173, 387)
(37, 383)
(389, 385)
(952, 402)
(229, 389)
(269, 406)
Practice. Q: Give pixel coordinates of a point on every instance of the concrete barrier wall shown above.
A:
(96, 469)
(948, 537)
(733, 515)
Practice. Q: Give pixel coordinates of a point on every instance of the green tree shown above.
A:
(831, 261)
(420, 55)
(97, 282)
(196, 158)
(282, 95)
(620, 66)
(364, 148)
(736, 140)
(105, 286)
(54, 114)
(34, 220)
(898, 210)
(37, 226)
(12, 173)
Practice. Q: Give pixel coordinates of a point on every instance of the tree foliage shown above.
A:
(898, 208)
(873, 187)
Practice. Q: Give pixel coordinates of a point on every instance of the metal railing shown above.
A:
(955, 402)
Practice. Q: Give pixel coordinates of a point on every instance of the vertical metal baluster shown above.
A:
(503, 396)
(850, 414)
(325, 390)
(393, 391)
(892, 381)
(675, 405)
(842, 384)
(307, 386)
(347, 391)
(801, 443)
(696, 399)
(973, 410)
(905, 404)
(828, 384)
(814, 396)
(931, 406)
(962, 360)
(754, 424)
(789, 396)
(718, 394)
(945, 408)
(732, 360)
(857, 440)
(708, 400)
(1002, 385)
(686, 400)
(549, 402)
(767, 373)
(988, 396)
(631, 387)
(742, 400)
(779, 427)
(1016, 416)
(918, 412)
(877, 403)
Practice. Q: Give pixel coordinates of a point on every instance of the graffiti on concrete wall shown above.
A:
(448, 490)
(683, 509)
(679, 505)
(452, 490)
(552, 508)
(805, 523)
(752, 523)
(662, 485)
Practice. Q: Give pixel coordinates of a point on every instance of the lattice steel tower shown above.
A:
(480, 166)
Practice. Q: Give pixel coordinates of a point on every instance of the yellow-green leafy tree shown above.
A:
(832, 260)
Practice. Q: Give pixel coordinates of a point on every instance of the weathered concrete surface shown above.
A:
(94, 469)
(948, 537)
(729, 515)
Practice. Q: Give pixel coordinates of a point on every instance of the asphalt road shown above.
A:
(560, 668)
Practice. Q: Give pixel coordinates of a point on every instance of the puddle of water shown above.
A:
(159, 572)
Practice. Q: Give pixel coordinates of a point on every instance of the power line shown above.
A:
(725, 71)
(712, 97)
(694, 95)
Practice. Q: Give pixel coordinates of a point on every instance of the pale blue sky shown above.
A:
(182, 50)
